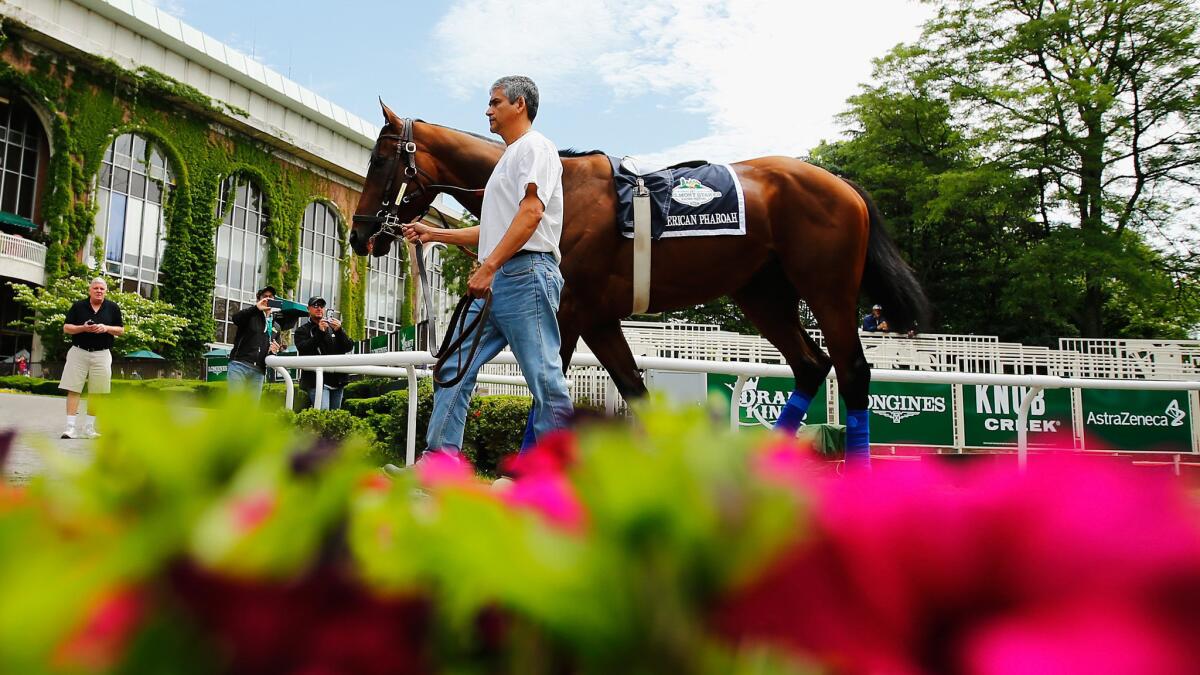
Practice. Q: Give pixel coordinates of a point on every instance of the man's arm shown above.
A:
(117, 327)
(524, 224)
(73, 324)
(342, 342)
(306, 340)
(467, 237)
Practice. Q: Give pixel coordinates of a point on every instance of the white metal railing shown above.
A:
(22, 249)
(408, 363)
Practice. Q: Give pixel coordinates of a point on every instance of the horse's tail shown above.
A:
(887, 279)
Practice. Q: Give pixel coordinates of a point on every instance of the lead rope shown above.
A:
(453, 345)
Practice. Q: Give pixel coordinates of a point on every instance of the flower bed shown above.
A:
(231, 542)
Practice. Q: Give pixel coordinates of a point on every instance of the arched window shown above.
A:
(241, 248)
(132, 189)
(320, 250)
(23, 148)
(385, 292)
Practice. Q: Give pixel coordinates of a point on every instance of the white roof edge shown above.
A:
(354, 127)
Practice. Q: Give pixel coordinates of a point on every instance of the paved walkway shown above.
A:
(39, 421)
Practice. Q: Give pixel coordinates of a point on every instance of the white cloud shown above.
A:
(768, 75)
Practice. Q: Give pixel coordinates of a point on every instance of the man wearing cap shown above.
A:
(322, 336)
(92, 323)
(874, 322)
(257, 336)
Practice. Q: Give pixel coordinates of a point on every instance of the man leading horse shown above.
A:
(520, 225)
(808, 235)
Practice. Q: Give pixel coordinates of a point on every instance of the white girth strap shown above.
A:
(641, 247)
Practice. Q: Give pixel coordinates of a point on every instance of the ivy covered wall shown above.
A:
(91, 101)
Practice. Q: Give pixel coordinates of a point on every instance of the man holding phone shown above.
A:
(92, 323)
(258, 330)
(322, 335)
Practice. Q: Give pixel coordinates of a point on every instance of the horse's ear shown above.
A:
(388, 115)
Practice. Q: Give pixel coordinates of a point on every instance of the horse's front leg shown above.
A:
(609, 345)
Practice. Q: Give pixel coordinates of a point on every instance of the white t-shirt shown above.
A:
(532, 158)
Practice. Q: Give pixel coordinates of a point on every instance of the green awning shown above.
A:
(13, 219)
(143, 354)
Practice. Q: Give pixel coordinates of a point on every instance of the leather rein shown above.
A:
(391, 225)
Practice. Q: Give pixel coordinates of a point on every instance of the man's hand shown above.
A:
(337, 325)
(323, 325)
(480, 282)
(98, 328)
(275, 347)
(418, 232)
(262, 304)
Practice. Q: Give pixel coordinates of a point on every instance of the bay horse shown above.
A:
(810, 236)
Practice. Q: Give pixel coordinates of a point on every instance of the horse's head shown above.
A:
(392, 193)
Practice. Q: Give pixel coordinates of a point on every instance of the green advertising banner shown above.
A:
(763, 399)
(910, 414)
(379, 343)
(990, 417)
(408, 338)
(1155, 421)
(216, 368)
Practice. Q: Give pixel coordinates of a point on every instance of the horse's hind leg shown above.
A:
(772, 305)
(838, 321)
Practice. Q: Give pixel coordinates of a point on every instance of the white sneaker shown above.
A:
(70, 432)
(91, 433)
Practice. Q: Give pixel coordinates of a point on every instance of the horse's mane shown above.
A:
(572, 152)
(565, 152)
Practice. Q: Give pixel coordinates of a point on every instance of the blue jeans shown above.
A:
(245, 378)
(525, 294)
(331, 399)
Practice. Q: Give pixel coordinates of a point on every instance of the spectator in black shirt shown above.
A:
(257, 336)
(92, 324)
(321, 336)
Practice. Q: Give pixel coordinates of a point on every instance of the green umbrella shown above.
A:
(144, 354)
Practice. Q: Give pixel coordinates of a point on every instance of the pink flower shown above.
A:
(97, 643)
(251, 510)
(552, 496)
(925, 568)
(554, 453)
(444, 468)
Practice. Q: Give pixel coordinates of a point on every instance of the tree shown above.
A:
(960, 219)
(1099, 102)
(149, 324)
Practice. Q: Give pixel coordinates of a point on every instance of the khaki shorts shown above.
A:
(94, 368)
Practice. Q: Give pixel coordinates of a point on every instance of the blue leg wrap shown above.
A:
(793, 413)
(528, 441)
(858, 439)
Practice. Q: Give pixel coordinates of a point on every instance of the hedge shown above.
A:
(201, 392)
(373, 387)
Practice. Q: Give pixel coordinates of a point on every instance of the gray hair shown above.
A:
(98, 280)
(516, 86)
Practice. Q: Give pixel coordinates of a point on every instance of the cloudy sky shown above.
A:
(665, 81)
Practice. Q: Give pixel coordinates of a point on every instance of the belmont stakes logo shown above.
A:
(759, 406)
(693, 193)
(1172, 416)
(897, 408)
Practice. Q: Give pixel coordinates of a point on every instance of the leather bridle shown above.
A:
(390, 225)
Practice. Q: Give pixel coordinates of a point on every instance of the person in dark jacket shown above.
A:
(322, 336)
(258, 329)
(874, 322)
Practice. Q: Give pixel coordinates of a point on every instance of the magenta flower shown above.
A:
(552, 496)
(100, 639)
(926, 569)
(444, 468)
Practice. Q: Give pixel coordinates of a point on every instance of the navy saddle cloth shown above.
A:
(686, 200)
